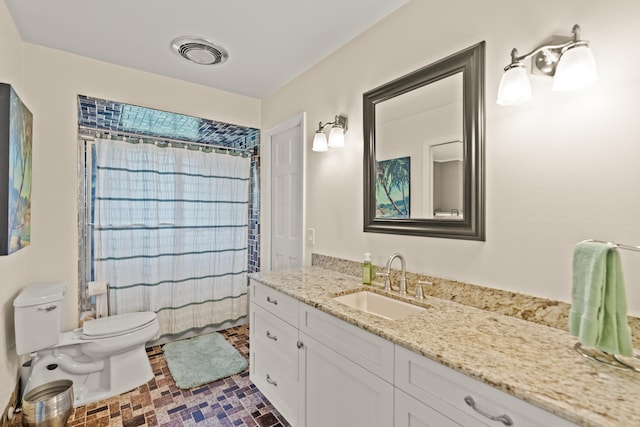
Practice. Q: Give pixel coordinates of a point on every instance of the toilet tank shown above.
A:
(38, 316)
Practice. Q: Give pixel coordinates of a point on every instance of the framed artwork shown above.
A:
(392, 188)
(16, 127)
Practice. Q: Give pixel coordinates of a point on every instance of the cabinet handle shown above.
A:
(504, 419)
(273, 337)
(272, 382)
(272, 301)
(299, 344)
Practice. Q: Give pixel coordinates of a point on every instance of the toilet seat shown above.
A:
(118, 324)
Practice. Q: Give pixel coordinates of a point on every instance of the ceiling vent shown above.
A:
(199, 50)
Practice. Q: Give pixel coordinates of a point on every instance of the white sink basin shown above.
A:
(380, 305)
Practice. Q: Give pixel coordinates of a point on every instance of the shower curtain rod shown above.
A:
(137, 136)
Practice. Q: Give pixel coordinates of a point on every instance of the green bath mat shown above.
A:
(202, 359)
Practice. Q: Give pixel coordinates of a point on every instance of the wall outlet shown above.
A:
(311, 236)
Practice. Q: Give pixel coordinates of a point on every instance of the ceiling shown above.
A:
(270, 42)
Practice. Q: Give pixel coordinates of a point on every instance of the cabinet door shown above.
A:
(274, 361)
(340, 393)
(411, 413)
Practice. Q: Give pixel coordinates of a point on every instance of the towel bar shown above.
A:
(612, 360)
(609, 359)
(617, 245)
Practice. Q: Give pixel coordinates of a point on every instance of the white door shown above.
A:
(286, 198)
(340, 393)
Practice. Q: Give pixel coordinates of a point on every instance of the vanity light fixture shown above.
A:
(568, 60)
(336, 134)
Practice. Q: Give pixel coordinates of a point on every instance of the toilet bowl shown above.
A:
(117, 334)
(104, 358)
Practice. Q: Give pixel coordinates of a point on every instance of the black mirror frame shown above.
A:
(471, 62)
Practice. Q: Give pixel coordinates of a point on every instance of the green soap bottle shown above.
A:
(367, 269)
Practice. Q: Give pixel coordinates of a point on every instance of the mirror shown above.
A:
(447, 171)
(423, 151)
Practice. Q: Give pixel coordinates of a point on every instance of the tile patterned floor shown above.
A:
(233, 401)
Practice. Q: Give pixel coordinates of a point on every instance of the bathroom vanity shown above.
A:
(322, 363)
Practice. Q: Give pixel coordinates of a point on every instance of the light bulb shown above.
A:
(320, 142)
(336, 137)
(576, 69)
(515, 86)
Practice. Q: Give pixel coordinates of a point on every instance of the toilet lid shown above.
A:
(117, 324)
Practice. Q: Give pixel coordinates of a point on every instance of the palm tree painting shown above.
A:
(17, 122)
(392, 188)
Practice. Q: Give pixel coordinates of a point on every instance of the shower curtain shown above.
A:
(170, 231)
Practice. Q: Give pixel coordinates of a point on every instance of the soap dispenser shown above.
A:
(367, 269)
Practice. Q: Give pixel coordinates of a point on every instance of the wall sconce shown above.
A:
(568, 60)
(336, 134)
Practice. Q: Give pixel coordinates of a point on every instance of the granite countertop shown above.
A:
(532, 362)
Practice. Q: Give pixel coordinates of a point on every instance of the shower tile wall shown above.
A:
(254, 215)
(111, 116)
(118, 117)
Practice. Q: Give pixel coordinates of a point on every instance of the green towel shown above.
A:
(598, 315)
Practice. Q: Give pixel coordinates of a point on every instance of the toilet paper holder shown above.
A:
(100, 290)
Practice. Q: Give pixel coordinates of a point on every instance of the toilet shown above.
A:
(104, 358)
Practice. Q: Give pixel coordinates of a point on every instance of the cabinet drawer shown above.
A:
(275, 302)
(364, 348)
(436, 385)
(278, 381)
(269, 331)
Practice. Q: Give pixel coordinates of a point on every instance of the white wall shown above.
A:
(54, 79)
(48, 82)
(562, 168)
(13, 268)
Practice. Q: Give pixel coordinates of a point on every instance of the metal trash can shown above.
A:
(48, 405)
(24, 376)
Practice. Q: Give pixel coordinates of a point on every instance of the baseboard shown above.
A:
(13, 403)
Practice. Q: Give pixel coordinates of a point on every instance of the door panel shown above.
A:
(286, 204)
(340, 393)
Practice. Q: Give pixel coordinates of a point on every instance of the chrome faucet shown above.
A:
(403, 273)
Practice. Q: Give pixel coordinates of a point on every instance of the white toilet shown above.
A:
(104, 358)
